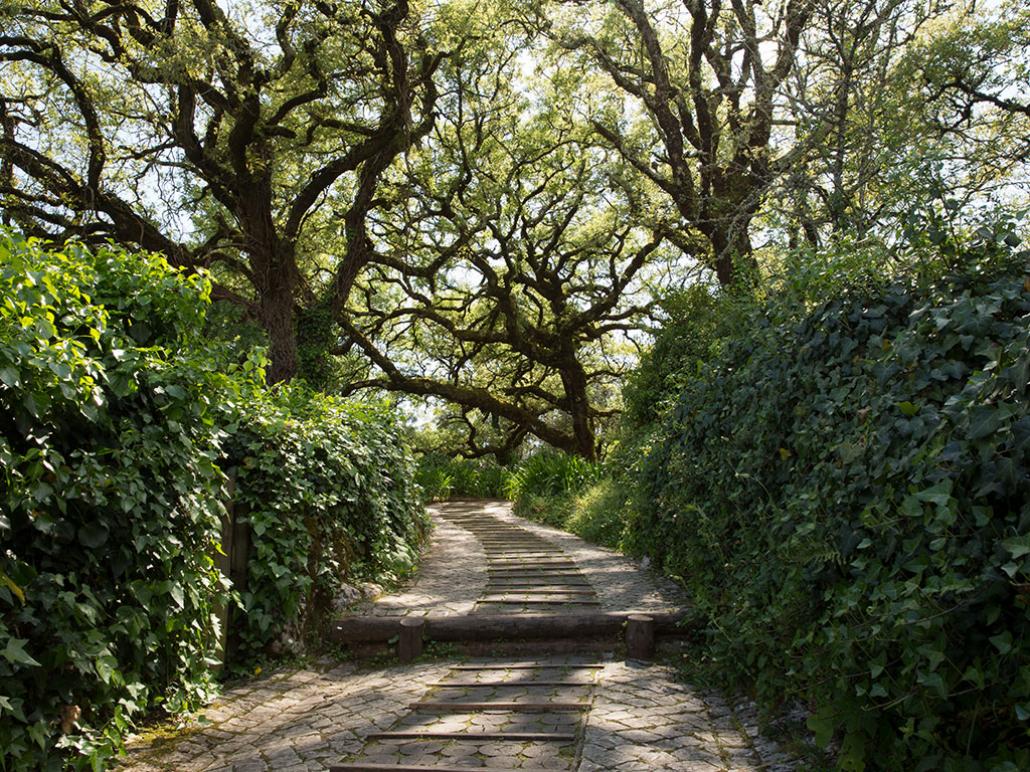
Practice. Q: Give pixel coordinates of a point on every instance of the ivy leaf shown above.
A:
(93, 535)
(1018, 546)
(908, 408)
(10, 584)
(106, 666)
(939, 494)
(10, 376)
(822, 726)
(1002, 642)
(39, 732)
(983, 420)
(15, 653)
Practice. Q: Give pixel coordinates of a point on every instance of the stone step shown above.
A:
(438, 706)
(358, 766)
(506, 684)
(529, 666)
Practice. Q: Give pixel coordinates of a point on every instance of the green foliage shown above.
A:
(110, 497)
(550, 473)
(844, 492)
(698, 321)
(317, 335)
(441, 477)
(542, 487)
(596, 505)
(329, 493)
(119, 415)
(599, 513)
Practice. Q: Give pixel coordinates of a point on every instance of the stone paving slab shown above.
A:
(294, 720)
(449, 581)
(641, 720)
(621, 583)
(634, 717)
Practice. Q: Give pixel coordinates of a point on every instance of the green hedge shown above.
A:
(544, 486)
(846, 496)
(117, 419)
(329, 493)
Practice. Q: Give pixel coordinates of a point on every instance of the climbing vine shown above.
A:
(845, 495)
(119, 420)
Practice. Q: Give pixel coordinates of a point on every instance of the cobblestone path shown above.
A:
(526, 573)
(545, 712)
(461, 571)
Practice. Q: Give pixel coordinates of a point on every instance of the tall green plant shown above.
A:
(328, 490)
(550, 473)
(844, 492)
(118, 418)
(442, 477)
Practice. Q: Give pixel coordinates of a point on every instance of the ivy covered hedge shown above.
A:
(329, 493)
(846, 495)
(118, 420)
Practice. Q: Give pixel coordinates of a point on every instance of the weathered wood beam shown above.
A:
(489, 627)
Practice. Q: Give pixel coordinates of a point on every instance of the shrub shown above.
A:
(599, 513)
(543, 485)
(550, 473)
(110, 498)
(698, 322)
(846, 496)
(329, 492)
(118, 416)
(441, 477)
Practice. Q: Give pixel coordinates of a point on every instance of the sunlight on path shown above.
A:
(543, 712)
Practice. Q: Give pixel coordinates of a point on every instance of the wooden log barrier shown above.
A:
(506, 627)
(640, 629)
(409, 645)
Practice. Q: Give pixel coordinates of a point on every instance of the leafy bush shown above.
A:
(698, 322)
(441, 477)
(599, 513)
(118, 417)
(110, 498)
(846, 496)
(543, 485)
(550, 473)
(329, 493)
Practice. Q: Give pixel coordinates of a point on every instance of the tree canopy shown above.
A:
(489, 204)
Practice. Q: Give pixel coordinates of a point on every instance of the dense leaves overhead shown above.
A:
(516, 268)
(398, 192)
(242, 139)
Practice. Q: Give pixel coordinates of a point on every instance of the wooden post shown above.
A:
(409, 645)
(640, 637)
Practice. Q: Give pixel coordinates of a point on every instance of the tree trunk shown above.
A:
(731, 248)
(275, 276)
(574, 381)
(278, 320)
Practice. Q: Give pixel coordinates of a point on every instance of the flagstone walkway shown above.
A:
(542, 712)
